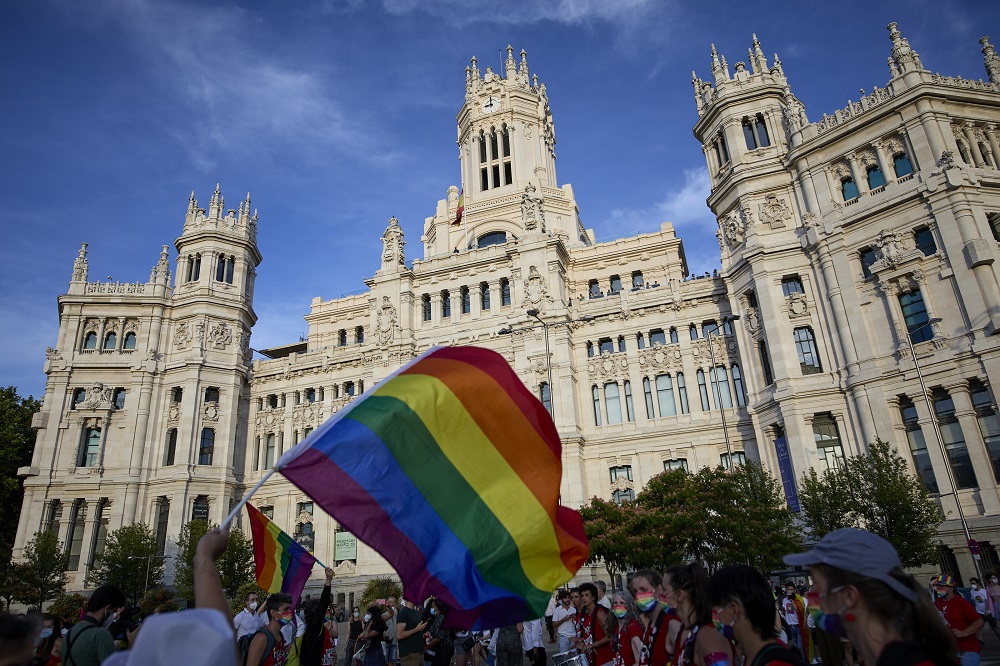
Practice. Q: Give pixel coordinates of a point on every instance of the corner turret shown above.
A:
(991, 60)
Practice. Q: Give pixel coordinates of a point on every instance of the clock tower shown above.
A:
(509, 190)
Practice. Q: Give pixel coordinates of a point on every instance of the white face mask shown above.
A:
(357, 614)
(368, 618)
(434, 611)
(253, 605)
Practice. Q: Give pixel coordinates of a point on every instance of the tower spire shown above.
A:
(717, 71)
(758, 57)
(80, 265)
(510, 64)
(907, 60)
(992, 60)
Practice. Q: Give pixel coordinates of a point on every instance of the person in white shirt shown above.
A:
(531, 642)
(562, 620)
(246, 621)
(602, 592)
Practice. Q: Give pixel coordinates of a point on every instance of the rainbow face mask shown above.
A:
(830, 623)
(619, 610)
(645, 601)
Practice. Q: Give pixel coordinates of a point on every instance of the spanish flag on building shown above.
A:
(461, 209)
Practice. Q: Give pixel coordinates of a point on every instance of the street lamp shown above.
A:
(714, 378)
(149, 559)
(937, 436)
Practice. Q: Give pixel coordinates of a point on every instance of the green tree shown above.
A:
(68, 605)
(236, 566)
(379, 588)
(158, 598)
(13, 578)
(131, 560)
(237, 602)
(45, 572)
(17, 441)
(610, 530)
(187, 543)
(876, 492)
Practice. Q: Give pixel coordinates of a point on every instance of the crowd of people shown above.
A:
(861, 606)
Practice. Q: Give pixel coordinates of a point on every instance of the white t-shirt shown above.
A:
(605, 601)
(979, 600)
(566, 628)
(791, 617)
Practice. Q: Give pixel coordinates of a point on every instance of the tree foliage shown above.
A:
(17, 441)
(716, 516)
(158, 599)
(236, 566)
(130, 560)
(44, 573)
(13, 578)
(379, 588)
(238, 601)
(68, 605)
(876, 492)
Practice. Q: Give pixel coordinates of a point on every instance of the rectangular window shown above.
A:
(612, 400)
(721, 381)
(269, 449)
(359, 334)
(596, 395)
(765, 363)
(311, 395)
(504, 292)
(304, 507)
(676, 463)
(75, 537)
(868, 257)
(915, 316)
(954, 440)
(918, 446)
(100, 531)
(545, 395)
(626, 495)
(828, 445)
(739, 458)
(656, 337)
(207, 447)
(342, 337)
(445, 303)
(484, 296)
(989, 424)
(425, 302)
(466, 298)
(199, 510)
(484, 179)
(118, 398)
(682, 394)
(623, 472)
(606, 346)
(55, 516)
(162, 521)
(212, 394)
(805, 345)
(629, 408)
(508, 174)
(924, 239)
(616, 284)
(791, 284)
(647, 389)
(637, 282)
(90, 447)
(267, 512)
(741, 392)
(665, 395)
(709, 327)
(496, 175)
(349, 389)
(171, 452)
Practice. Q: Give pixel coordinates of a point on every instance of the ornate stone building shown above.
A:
(842, 240)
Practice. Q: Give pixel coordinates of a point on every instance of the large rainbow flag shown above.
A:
(282, 564)
(450, 469)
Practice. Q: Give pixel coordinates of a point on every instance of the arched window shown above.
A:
(963, 150)
(230, 267)
(220, 269)
(590, 349)
(629, 409)
(508, 174)
(621, 343)
(901, 165)
(703, 391)
(207, 446)
(596, 395)
(484, 171)
(875, 177)
(484, 296)
(673, 334)
(805, 345)
(425, 306)
(682, 394)
(90, 340)
(492, 238)
(445, 303)
(984, 150)
(748, 134)
(129, 342)
(466, 299)
(648, 392)
(693, 332)
(848, 189)
(494, 159)
(110, 341)
(762, 137)
(665, 395)
(194, 268)
(504, 292)
(612, 399)
(741, 392)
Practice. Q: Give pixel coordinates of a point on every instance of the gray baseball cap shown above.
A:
(859, 552)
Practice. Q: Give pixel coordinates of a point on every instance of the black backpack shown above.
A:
(244, 645)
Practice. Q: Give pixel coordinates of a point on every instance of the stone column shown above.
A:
(888, 172)
(860, 178)
(475, 298)
(969, 130)
(807, 188)
(991, 136)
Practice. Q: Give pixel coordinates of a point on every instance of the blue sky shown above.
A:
(337, 114)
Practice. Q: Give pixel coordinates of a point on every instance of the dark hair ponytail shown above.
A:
(693, 579)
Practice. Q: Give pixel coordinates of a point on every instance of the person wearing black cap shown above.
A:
(861, 591)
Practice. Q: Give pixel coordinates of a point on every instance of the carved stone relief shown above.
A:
(774, 211)
(607, 366)
(220, 335)
(386, 322)
(797, 306)
(536, 293)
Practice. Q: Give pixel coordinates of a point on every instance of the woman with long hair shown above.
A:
(371, 637)
(861, 591)
(625, 630)
(354, 629)
(700, 644)
(441, 645)
(660, 625)
(743, 600)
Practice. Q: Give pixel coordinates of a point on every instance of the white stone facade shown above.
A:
(825, 281)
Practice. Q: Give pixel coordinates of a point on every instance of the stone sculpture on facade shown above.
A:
(386, 322)
(392, 245)
(80, 265)
(532, 213)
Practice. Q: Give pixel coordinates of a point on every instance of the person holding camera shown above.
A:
(410, 635)
(89, 642)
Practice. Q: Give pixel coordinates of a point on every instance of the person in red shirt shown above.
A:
(625, 629)
(660, 624)
(593, 637)
(961, 618)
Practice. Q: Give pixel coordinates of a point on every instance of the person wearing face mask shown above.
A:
(89, 642)
(593, 618)
(441, 645)
(562, 621)
(793, 611)
(48, 642)
(701, 644)
(743, 604)
(993, 608)
(268, 648)
(354, 629)
(660, 625)
(625, 629)
(962, 619)
(371, 637)
(246, 621)
(861, 592)
(315, 646)
(981, 602)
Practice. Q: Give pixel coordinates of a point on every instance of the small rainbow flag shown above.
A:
(461, 208)
(282, 564)
(450, 469)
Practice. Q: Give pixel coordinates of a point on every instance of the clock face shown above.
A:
(491, 104)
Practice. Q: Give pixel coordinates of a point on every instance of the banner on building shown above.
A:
(346, 545)
(787, 475)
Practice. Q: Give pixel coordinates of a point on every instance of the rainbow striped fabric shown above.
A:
(282, 564)
(450, 469)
